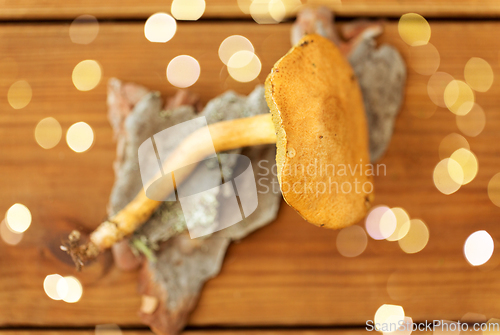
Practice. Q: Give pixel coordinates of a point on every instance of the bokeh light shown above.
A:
(259, 10)
(50, 286)
(18, 218)
(69, 289)
(459, 97)
(84, 29)
(494, 189)
(183, 71)
(273, 11)
(452, 143)
(436, 86)
(108, 329)
(468, 164)
(401, 227)
(455, 171)
(425, 59)
(479, 247)
(471, 317)
(86, 75)
(492, 327)
(80, 137)
(404, 329)
(62, 288)
(473, 123)
(19, 94)
(414, 29)
(389, 314)
(267, 11)
(233, 44)
(416, 238)
(448, 176)
(277, 10)
(244, 6)
(244, 66)
(380, 223)
(478, 74)
(189, 10)
(48, 133)
(160, 28)
(352, 241)
(293, 6)
(8, 236)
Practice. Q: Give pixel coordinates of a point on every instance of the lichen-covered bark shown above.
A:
(181, 265)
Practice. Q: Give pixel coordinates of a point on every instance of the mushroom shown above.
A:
(318, 114)
(317, 120)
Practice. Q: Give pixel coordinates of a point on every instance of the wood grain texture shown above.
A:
(52, 9)
(197, 332)
(72, 332)
(288, 273)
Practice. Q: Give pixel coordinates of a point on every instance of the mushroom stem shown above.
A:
(226, 135)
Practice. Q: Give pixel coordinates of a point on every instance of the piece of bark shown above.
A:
(182, 264)
(381, 75)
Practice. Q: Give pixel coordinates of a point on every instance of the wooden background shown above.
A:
(286, 275)
(52, 9)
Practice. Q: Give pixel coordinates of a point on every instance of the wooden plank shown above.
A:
(288, 273)
(353, 331)
(71, 332)
(52, 9)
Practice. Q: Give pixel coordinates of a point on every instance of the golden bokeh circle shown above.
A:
(351, 241)
(472, 123)
(160, 28)
(84, 29)
(401, 230)
(244, 66)
(414, 29)
(388, 314)
(436, 85)
(451, 143)
(448, 176)
(188, 10)
(380, 223)
(478, 74)
(459, 97)
(417, 237)
(233, 44)
(183, 71)
(425, 59)
(73, 289)
(494, 189)
(86, 75)
(479, 247)
(48, 133)
(80, 137)
(8, 236)
(50, 286)
(468, 166)
(19, 94)
(18, 218)
(267, 11)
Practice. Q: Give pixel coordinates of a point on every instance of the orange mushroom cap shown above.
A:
(322, 141)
